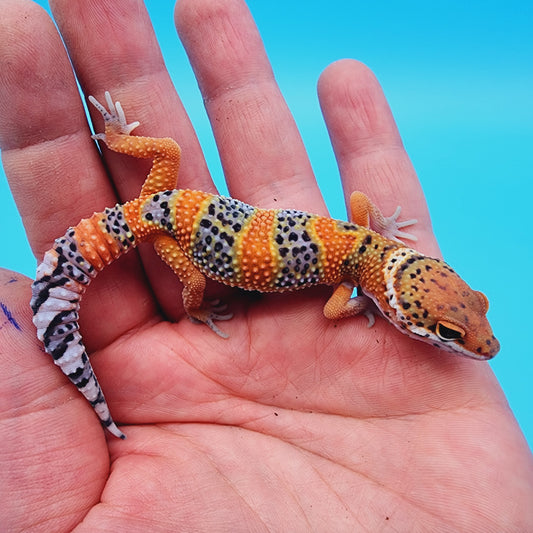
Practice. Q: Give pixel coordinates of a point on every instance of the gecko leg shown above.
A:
(365, 213)
(193, 285)
(165, 152)
(341, 304)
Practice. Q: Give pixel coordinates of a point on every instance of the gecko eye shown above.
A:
(449, 332)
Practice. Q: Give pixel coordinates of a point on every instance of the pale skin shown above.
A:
(294, 423)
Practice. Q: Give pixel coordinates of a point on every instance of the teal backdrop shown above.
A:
(459, 78)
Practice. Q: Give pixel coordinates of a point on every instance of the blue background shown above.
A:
(459, 78)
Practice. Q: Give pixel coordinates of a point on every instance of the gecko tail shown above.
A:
(60, 282)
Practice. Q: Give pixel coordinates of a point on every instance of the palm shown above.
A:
(293, 423)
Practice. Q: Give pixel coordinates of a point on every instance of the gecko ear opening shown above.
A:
(483, 301)
(448, 331)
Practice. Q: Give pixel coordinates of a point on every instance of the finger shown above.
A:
(113, 47)
(53, 169)
(52, 166)
(39, 419)
(262, 154)
(368, 147)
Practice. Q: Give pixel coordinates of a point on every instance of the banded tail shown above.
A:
(61, 279)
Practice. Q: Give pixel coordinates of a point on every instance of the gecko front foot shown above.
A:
(392, 228)
(365, 213)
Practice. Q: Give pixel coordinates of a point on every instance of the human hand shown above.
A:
(294, 423)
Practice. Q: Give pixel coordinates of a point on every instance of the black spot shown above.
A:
(362, 249)
(406, 305)
(83, 382)
(76, 374)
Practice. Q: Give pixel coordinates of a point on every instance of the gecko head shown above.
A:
(429, 301)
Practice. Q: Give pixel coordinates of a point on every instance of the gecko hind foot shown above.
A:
(208, 316)
(114, 118)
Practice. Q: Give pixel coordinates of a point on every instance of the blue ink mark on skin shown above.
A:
(9, 316)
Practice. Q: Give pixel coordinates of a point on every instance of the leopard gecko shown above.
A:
(203, 235)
